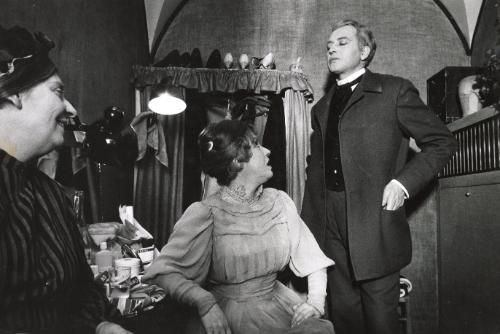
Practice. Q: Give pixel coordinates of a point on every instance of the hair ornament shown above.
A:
(210, 145)
(17, 44)
(9, 67)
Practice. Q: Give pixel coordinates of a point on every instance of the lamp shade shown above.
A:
(166, 104)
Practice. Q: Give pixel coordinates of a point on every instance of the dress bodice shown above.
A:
(248, 240)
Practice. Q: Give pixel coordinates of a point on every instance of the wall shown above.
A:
(415, 47)
(415, 41)
(97, 42)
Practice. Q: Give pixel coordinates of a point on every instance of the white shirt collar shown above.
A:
(352, 77)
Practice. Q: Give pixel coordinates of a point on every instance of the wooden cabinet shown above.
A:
(469, 242)
(469, 254)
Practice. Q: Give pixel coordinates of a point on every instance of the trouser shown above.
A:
(356, 307)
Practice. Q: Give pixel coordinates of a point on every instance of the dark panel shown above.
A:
(20, 12)
(469, 230)
(113, 186)
(113, 45)
(442, 94)
(422, 216)
(70, 39)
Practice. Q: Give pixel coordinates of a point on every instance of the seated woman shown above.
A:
(225, 252)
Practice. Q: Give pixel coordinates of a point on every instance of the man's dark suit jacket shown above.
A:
(374, 129)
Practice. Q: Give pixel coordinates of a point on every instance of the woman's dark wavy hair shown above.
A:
(223, 147)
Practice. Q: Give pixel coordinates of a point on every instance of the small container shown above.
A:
(122, 273)
(104, 258)
(133, 263)
(146, 254)
(102, 278)
(129, 283)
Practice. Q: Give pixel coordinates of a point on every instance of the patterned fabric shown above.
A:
(235, 251)
(46, 285)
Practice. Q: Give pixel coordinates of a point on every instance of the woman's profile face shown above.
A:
(258, 168)
(43, 108)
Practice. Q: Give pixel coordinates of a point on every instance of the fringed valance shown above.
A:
(223, 80)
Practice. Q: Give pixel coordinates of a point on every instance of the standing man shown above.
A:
(359, 177)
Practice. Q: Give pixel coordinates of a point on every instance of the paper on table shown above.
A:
(127, 217)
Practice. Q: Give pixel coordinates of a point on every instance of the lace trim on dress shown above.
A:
(239, 196)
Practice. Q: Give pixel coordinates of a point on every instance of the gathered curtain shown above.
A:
(159, 169)
(159, 186)
(298, 130)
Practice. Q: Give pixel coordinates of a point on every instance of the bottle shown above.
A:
(104, 258)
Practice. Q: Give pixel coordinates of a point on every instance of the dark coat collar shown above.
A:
(369, 83)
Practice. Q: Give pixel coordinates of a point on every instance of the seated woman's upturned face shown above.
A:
(258, 168)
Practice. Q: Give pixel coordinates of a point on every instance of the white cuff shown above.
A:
(317, 290)
(402, 187)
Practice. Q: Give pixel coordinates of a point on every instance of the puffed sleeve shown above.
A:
(306, 256)
(184, 262)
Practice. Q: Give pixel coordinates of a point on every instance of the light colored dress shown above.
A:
(235, 251)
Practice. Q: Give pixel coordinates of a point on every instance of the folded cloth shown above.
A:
(149, 130)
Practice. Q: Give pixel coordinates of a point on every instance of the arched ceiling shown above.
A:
(158, 14)
(463, 15)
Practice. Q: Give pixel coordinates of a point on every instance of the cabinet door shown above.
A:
(469, 259)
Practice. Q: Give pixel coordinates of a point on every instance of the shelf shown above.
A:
(472, 119)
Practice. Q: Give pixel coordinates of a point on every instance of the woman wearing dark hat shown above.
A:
(46, 285)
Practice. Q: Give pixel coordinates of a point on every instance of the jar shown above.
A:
(130, 262)
(469, 97)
